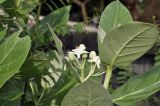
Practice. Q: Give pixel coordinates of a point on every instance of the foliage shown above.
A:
(34, 70)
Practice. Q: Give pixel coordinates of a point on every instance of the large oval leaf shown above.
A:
(88, 93)
(115, 14)
(138, 87)
(12, 55)
(127, 43)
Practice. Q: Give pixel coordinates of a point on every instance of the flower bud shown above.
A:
(71, 56)
(92, 54)
(84, 55)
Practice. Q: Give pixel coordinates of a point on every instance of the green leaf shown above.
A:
(19, 8)
(127, 43)
(41, 64)
(1, 1)
(157, 58)
(12, 55)
(88, 93)
(58, 18)
(138, 88)
(79, 27)
(114, 15)
(10, 98)
(11, 92)
(35, 66)
(11, 95)
(57, 41)
(3, 33)
(26, 6)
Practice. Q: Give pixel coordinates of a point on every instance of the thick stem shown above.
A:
(82, 74)
(83, 9)
(107, 77)
(82, 68)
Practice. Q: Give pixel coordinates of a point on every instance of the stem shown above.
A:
(82, 74)
(91, 72)
(75, 72)
(82, 68)
(34, 94)
(84, 13)
(37, 17)
(40, 98)
(107, 77)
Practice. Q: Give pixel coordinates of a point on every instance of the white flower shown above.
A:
(94, 59)
(79, 50)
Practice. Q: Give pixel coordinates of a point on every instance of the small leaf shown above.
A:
(127, 43)
(12, 55)
(88, 93)
(138, 88)
(79, 27)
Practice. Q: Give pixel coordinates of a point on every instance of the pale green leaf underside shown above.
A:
(12, 55)
(127, 43)
(115, 14)
(138, 88)
(88, 93)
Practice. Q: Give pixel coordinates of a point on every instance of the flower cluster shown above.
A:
(80, 52)
(78, 56)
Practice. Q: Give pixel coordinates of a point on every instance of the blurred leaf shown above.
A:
(79, 27)
(62, 30)
(88, 93)
(1, 1)
(138, 88)
(12, 55)
(11, 95)
(114, 15)
(19, 8)
(127, 43)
